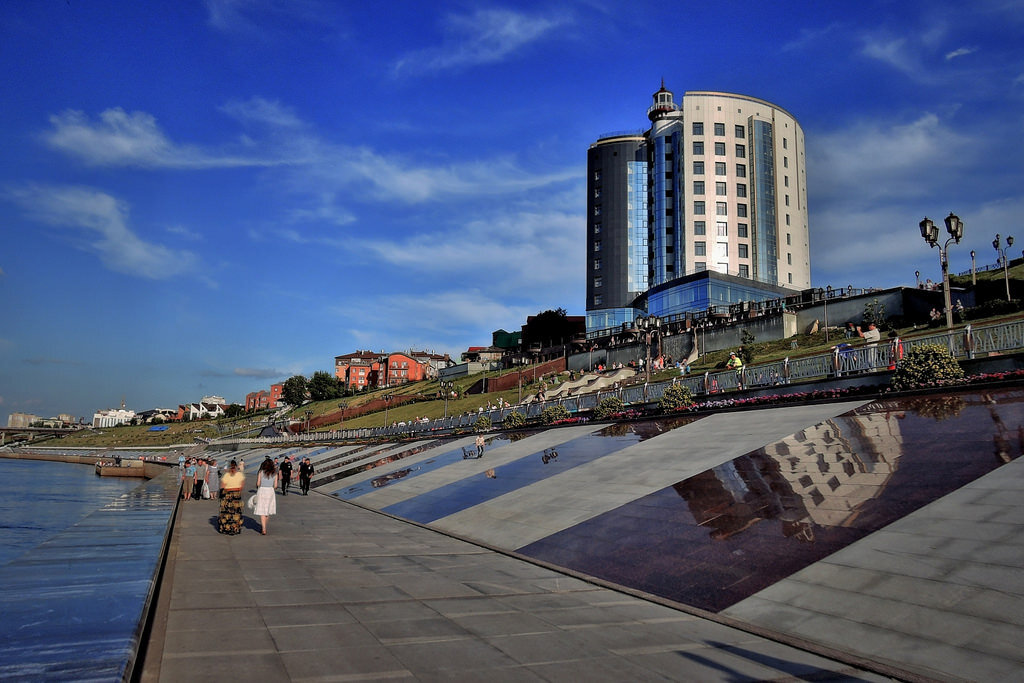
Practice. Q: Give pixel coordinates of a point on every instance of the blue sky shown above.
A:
(207, 197)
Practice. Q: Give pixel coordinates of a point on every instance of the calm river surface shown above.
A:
(42, 498)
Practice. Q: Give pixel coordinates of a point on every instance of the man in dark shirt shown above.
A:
(286, 475)
(305, 474)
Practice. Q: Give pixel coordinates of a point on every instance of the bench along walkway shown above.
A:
(338, 592)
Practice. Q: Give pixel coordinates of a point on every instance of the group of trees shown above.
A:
(322, 386)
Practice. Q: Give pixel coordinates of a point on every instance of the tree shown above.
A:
(548, 328)
(323, 386)
(294, 390)
(874, 313)
(232, 411)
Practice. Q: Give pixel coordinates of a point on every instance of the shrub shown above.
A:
(553, 413)
(514, 420)
(676, 396)
(927, 365)
(482, 424)
(608, 407)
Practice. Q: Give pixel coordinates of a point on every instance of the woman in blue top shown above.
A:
(266, 499)
(189, 481)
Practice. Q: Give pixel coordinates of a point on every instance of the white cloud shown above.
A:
(960, 52)
(104, 221)
(120, 138)
(874, 160)
(484, 37)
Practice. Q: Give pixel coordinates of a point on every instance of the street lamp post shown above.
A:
(1004, 259)
(343, 407)
(974, 271)
(647, 327)
(309, 415)
(446, 389)
(930, 233)
(387, 404)
(917, 277)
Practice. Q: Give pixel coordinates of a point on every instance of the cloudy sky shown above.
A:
(207, 197)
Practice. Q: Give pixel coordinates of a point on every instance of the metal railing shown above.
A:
(839, 362)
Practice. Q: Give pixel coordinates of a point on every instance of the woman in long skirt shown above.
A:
(230, 519)
(266, 498)
(213, 478)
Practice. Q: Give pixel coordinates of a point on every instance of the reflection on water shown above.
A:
(529, 469)
(718, 537)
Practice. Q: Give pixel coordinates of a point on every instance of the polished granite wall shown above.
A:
(73, 608)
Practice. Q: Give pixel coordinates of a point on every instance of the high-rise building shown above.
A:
(706, 207)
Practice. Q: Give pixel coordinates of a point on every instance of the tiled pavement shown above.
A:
(339, 593)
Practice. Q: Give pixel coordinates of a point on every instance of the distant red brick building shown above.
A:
(368, 370)
(263, 400)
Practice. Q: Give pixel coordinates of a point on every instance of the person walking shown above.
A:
(305, 475)
(266, 499)
(229, 521)
(213, 478)
(188, 482)
(201, 473)
(286, 475)
(480, 445)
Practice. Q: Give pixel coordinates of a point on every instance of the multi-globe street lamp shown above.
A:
(446, 389)
(647, 327)
(930, 233)
(1002, 257)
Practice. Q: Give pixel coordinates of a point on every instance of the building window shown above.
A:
(700, 248)
(787, 200)
(744, 250)
(698, 208)
(597, 228)
(598, 299)
(700, 265)
(741, 189)
(785, 143)
(787, 219)
(597, 210)
(788, 239)
(720, 149)
(721, 209)
(789, 259)
(719, 129)
(598, 282)
(698, 228)
(698, 147)
(722, 228)
(741, 170)
(741, 230)
(744, 270)
(698, 187)
(698, 168)
(785, 162)
(597, 264)
(790, 276)
(597, 193)
(741, 132)
(741, 210)
(719, 168)
(597, 245)
(785, 180)
(741, 151)
(597, 176)
(720, 189)
(698, 128)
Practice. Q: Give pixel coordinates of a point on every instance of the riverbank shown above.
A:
(150, 468)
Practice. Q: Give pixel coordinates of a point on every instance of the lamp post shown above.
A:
(930, 233)
(309, 415)
(917, 277)
(1004, 259)
(343, 407)
(446, 389)
(647, 327)
(974, 271)
(387, 404)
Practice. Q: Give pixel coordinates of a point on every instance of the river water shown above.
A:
(43, 498)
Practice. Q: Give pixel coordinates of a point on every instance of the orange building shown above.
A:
(368, 370)
(262, 400)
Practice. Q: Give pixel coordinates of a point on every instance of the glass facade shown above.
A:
(636, 226)
(703, 292)
(765, 238)
(607, 318)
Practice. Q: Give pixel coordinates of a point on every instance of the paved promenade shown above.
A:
(335, 592)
